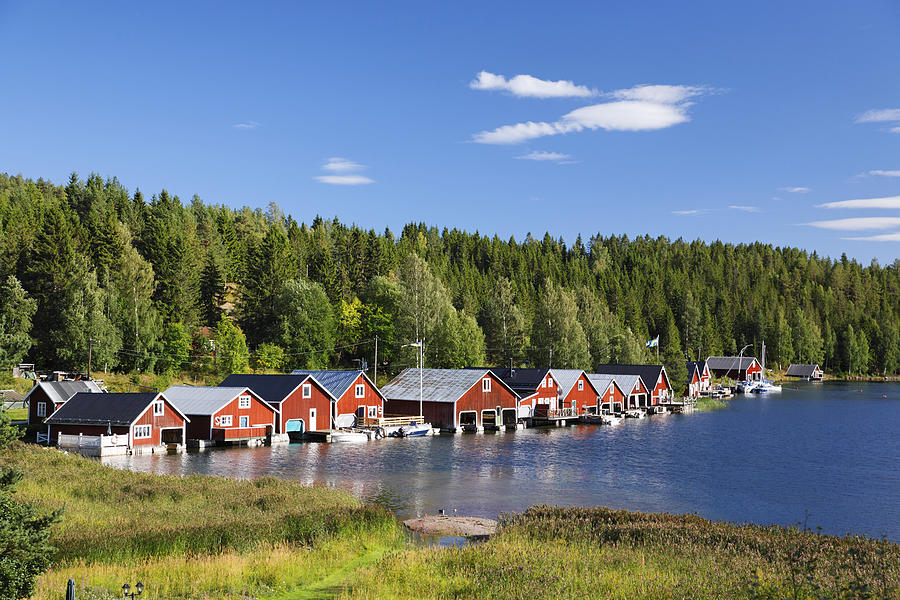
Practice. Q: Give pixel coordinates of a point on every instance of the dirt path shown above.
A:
(336, 582)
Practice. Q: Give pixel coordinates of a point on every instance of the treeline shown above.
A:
(155, 284)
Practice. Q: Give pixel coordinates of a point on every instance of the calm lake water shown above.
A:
(831, 451)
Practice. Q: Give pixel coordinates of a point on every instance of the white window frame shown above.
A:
(580, 385)
(143, 432)
(372, 412)
(244, 401)
(549, 381)
(244, 421)
(486, 384)
(159, 408)
(307, 390)
(360, 390)
(42, 409)
(226, 421)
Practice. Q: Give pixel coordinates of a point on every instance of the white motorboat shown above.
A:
(415, 429)
(610, 419)
(765, 387)
(746, 386)
(635, 414)
(349, 436)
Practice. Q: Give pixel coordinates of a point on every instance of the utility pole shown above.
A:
(90, 349)
(375, 377)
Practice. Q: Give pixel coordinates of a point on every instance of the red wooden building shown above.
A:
(145, 420)
(46, 396)
(575, 390)
(223, 414)
(611, 397)
(653, 376)
(357, 397)
(739, 368)
(302, 402)
(452, 398)
(535, 387)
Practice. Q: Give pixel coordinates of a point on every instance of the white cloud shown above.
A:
(858, 223)
(542, 155)
(661, 94)
(642, 108)
(744, 208)
(526, 86)
(246, 125)
(795, 190)
(884, 237)
(690, 212)
(879, 116)
(894, 129)
(337, 164)
(344, 179)
(881, 173)
(887, 202)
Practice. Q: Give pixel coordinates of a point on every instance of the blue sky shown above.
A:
(718, 120)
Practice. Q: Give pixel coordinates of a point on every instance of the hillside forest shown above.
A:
(156, 284)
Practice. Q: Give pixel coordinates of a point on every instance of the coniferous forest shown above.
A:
(154, 283)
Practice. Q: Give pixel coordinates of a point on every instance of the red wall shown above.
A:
(478, 400)
(295, 406)
(754, 368)
(36, 396)
(439, 414)
(586, 397)
(615, 395)
(260, 415)
(170, 418)
(349, 403)
(660, 388)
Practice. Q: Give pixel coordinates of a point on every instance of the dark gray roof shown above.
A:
(438, 385)
(271, 388)
(11, 396)
(801, 370)
(648, 373)
(730, 363)
(202, 400)
(116, 409)
(692, 366)
(60, 391)
(523, 381)
(337, 382)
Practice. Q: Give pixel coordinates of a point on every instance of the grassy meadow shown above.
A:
(212, 537)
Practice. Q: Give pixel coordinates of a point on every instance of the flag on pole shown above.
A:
(654, 343)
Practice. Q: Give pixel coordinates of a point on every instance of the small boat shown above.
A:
(635, 414)
(746, 386)
(415, 429)
(764, 387)
(610, 419)
(349, 436)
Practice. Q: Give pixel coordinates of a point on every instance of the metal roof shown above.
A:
(114, 409)
(202, 400)
(626, 383)
(271, 388)
(649, 373)
(730, 363)
(601, 383)
(60, 391)
(566, 378)
(801, 370)
(438, 385)
(522, 380)
(336, 381)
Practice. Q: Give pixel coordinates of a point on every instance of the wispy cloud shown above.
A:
(337, 164)
(690, 212)
(344, 179)
(858, 223)
(879, 115)
(884, 237)
(642, 108)
(346, 167)
(886, 202)
(882, 115)
(246, 125)
(795, 190)
(526, 86)
(750, 209)
(541, 155)
(880, 173)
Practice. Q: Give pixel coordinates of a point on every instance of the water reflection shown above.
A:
(828, 449)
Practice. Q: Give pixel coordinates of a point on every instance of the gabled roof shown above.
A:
(86, 408)
(438, 385)
(626, 383)
(337, 382)
(567, 378)
(202, 400)
(523, 381)
(649, 373)
(60, 391)
(11, 396)
(730, 363)
(601, 383)
(271, 388)
(801, 370)
(693, 367)
(700, 364)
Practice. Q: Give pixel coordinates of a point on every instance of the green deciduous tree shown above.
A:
(557, 338)
(305, 323)
(16, 312)
(270, 357)
(232, 354)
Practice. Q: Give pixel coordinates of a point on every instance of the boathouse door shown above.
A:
(312, 419)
